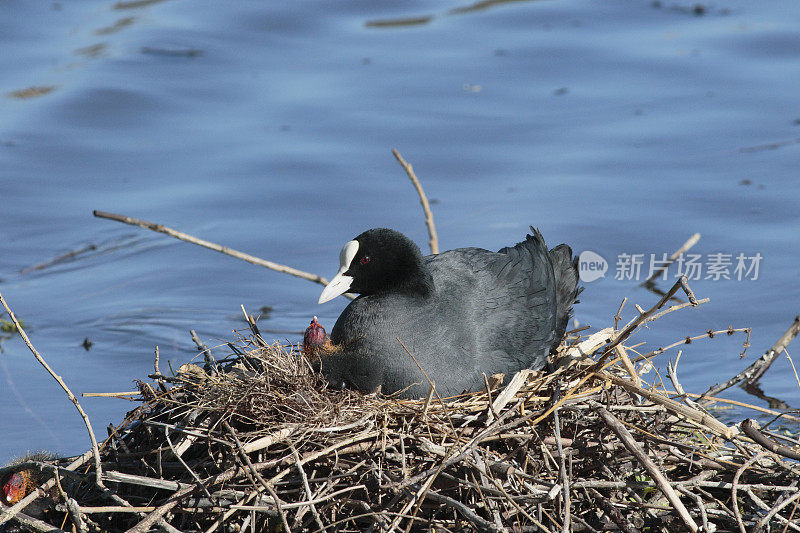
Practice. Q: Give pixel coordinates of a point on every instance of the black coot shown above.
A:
(461, 313)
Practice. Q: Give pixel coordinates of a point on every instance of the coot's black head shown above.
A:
(380, 261)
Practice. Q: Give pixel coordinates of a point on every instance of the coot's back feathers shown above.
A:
(565, 271)
(462, 313)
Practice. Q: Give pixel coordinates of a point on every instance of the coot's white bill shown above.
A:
(340, 283)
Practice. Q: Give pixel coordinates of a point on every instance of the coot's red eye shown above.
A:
(365, 260)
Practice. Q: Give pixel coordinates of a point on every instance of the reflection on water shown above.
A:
(171, 52)
(405, 21)
(480, 6)
(424, 19)
(31, 92)
(267, 127)
(93, 51)
(136, 4)
(118, 25)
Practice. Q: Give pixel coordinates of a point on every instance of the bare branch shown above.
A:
(434, 240)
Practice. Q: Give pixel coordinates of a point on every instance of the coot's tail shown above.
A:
(565, 270)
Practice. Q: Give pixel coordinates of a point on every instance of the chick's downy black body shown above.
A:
(461, 314)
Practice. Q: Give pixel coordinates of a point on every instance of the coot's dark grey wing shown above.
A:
(507, 300)
(565, 270)
(528, 317)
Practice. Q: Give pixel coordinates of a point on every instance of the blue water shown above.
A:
(617, 127)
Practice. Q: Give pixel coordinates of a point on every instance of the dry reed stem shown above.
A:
(433, 240)
(630, 443)
(67, 391)
(682, 250)
(789, 357)
(160, 228)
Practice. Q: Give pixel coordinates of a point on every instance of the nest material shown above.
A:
(256, 443)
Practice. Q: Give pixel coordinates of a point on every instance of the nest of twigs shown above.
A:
(254, 442)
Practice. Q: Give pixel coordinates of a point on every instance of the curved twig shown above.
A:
(750, 428)
(736, 477)
(434, 240)
(95, 450)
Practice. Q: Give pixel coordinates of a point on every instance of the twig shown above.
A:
(672, 372)
(789, 357)
(297, 505)
(209, 360)
(479, 523)
(269, 440)
(764, 507)
(683, 249)
(186, 466)
(434, 240)
(700, 506)
(734, 488)
(307, 488)
(233, 510)
(776, 350)
(741, 404)
(115, 509)
(34, 524)
(617, 317)
(751, 429)
(689, 293)
(791, 515)
(626, 362)
(676, 307)
(562, 466)
(124, 395)
(710, 334)
(634, 447)
(613, 513)
(509, 392)
(488, 503)
(720, 485)
(72, 398)
(161, 384)
(159, 228)
(757, 369)
(698, 416)
(75, 514)
(132, 479)
(154, 516)
(418, 496)
(630, 328)
(490, 411)
(191, 435)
